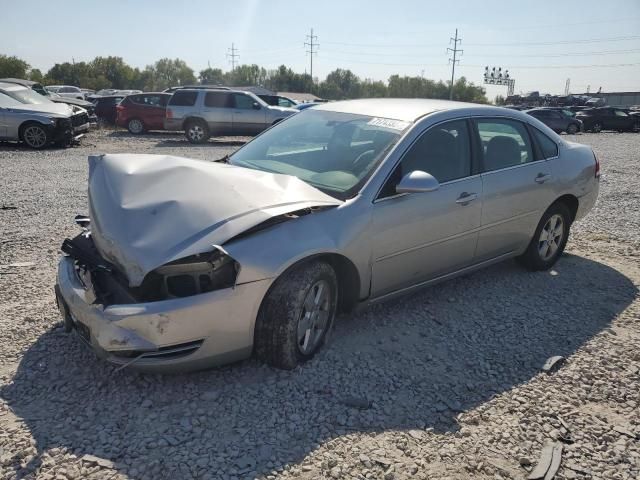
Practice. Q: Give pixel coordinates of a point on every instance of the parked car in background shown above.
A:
(54, 97)
(279, 101)
(66, 91)
(29, 117)
(305, 105)
(608, 118)
(205, 112)
(106, 108)
(142, 112)
(195, 87)
(341, 205)
(556, 120)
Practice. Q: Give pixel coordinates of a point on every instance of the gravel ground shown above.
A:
(446, 383)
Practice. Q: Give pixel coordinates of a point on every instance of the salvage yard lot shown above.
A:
(446, 383)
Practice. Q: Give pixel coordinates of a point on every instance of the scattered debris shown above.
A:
(553, 363)
(548, 463)
(18, 265)
(8, 207)
(624, 431)
(102, 462)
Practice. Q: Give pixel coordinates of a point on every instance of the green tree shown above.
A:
(35, 75)
(13, 67)
(167, 73)
(245, 75)
(499, 100)
(114, 69)
(340, 84)
(211, 76)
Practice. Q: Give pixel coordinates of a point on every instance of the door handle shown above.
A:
(466, 198)
(542, 177)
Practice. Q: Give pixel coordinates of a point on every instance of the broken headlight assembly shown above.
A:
(196, 274)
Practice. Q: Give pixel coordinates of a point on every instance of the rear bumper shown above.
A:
(587, 201)
(173, 335)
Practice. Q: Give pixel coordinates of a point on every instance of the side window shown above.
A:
(216, 100)
(283, 102)
(505, 143)
(620, 113)
(547, 146)
(183, 99)
(244, 102)
(443, 151)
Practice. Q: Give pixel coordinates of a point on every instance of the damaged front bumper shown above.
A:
(171, 335)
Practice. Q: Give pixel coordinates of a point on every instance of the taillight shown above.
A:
(597, 165)
(168, 113)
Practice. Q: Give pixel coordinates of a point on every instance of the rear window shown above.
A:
(547, 146)
(216, 100)
(184, 99)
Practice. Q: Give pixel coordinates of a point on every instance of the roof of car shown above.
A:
(19, 81)
(405, 109)
(11, 86)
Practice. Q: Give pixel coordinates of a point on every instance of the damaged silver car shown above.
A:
(185, 264)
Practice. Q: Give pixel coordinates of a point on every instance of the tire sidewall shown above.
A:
(135, 120)
(41, 127)
(202, 125)
(531, 257)
(275, 337)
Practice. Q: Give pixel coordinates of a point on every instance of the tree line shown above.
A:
(114, 72)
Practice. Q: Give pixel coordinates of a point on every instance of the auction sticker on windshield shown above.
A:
(389, 123)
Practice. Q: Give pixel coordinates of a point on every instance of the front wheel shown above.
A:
(572, 129)
(36, 136)
(549, 239)
(597, 127)
(296, 315)
(636, 127)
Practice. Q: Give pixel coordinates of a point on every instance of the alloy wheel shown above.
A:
(135, 126)
(597, 127)
(314, 317)
(551, 237)
(196, 133)
(35, 136)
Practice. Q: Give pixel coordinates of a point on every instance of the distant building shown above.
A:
(618, 99)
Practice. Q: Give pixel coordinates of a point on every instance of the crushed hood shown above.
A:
(148, 210)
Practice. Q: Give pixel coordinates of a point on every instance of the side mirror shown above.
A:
(256, 106)
(417, 181)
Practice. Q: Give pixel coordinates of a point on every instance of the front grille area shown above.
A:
(163, 353)
(79, 119)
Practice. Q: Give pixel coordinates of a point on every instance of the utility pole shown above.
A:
(313, 45)
(566, 86)
(453, 60)
(233, 55)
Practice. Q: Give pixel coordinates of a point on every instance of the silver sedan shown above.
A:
(184, 264)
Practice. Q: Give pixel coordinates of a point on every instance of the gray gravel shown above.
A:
(446, 383)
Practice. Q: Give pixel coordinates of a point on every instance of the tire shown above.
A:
(541, 254)
(35, 135)
(306, 295)
(572, 129)
(636, 127)
(196, 131)
(597, 127)
(135, 126)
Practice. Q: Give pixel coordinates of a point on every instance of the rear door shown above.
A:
(218, 112)
(249, 117)
(152, 109)
(516, 186)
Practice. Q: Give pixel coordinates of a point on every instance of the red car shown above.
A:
(143, 111)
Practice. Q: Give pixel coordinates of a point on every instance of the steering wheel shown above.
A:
(366, 156)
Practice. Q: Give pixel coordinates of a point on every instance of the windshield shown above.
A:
(26, 95)
(334, 152)
(6, 101)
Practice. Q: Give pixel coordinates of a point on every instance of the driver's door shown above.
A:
(421, 236)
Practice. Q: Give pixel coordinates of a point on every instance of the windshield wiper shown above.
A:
(224, 159)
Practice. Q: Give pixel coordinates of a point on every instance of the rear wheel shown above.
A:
(35, 135)
(196, 131)
(296, 315)
(572, 129)
(549, 239)
(636, 127)
(597, 127)
(135, 126)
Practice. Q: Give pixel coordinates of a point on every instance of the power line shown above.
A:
(311, 43)
(232, 56)
(453, 60)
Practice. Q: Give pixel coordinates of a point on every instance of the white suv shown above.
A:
(202, 113)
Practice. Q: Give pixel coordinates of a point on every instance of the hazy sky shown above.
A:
(542, 43)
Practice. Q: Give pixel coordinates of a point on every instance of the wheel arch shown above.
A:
(193, 118)
(571, 202)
